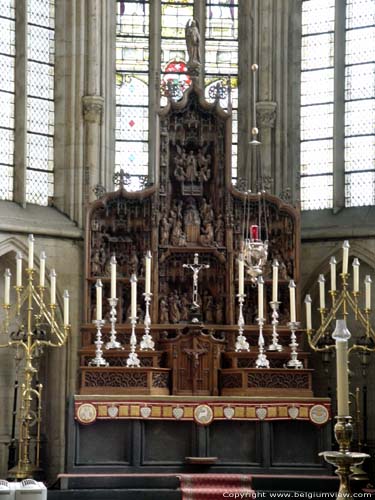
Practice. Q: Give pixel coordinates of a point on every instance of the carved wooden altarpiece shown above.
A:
(192, 208)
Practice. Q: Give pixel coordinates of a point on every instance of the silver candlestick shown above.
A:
(147, 344)
(241, 343)
(98, 360)
(262, 361)
(293, 362)
(275, 346)
(113, 342)
(133, 360)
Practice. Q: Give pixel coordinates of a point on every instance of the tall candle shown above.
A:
(260, 296)
(292, 300)
(332, 264)
(241, 275)
(275, 280)
(99, 300)
(66, 307)
(19, 258)
(356, 275)
(345, 256)
(308, 312)
(368, 282)
(113, 276)
(7, 276)
(148, 258)
(52, 277)
(133, 309)
(42, 273)
(322, 292)
(341, 335)
(31, 251)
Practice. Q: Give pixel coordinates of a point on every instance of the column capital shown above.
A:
(266, 114)
(93, 106)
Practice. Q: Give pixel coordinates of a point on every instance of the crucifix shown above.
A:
(196, 267)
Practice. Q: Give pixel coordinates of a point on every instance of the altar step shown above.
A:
(167, 486)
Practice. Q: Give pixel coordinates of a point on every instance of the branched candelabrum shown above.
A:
(113, 342)
(275, 346)
(98, 360)
(133, 361)
(294, 362)
(37, 327)
(147, 344)
(241, 343)
(261, 361)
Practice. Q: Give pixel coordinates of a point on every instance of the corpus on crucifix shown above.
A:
(196, 267)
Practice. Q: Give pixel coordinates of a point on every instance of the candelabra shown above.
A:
(133, 360)
(261, 361)
(241, 343)
(275, 346)
(147, 344)
(113, 342)
(294, 362)
(37, 327)
(98, 360)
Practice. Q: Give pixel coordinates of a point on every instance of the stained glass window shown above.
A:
(132, 93)
(7, 89)
(320, 104)
(221, 61)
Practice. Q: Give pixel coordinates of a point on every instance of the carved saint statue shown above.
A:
(163, 312)
(193, 41)
(165, 227)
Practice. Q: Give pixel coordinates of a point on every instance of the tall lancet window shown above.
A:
(338, 104)
(27, 110)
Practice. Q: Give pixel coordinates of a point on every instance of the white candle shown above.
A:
(31, 251)
(308, 312)
(275, 279)
(52, 277)
(260, 296)
(7, 276)
(66, 307)
(332, 264)
(241, 275)
(113, 276)
(292, 299)
(341, 335)
(368, 282)
(133, 309)
(19, 258)
(42, 274)
(345, 256)
(148, 258)
(99, 300)
(356, 275)
(322, 292)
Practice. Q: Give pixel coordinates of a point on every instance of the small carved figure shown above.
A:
(191, 173)
(219, 310)
(178, 236)
(174, 310)
(206, 211)
(185, 307)
(165, 228)
(133, 263)
(207, 236)
(95, 264)
(163, 311)
(209, 310)
(219, 230)
(193, 40)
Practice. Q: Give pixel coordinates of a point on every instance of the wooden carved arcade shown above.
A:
(193, 208)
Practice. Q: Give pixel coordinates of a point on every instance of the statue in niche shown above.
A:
(185, 307)
(174, 309)
(207, 236)
(193, 41)
(191, 173)
(204, 165)
(209, 309)
(207, 214)
(219, 312)
(192, 221)
(178, 237)
(180, 164)
(133, 262)
(163, 311)
(219, 231)
(165, 227)
(96, 264)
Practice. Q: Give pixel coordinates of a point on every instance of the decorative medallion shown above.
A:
(178, 412)
(203, 415)
(228, 412)
(86, 413)
(145, 411)
(293, 412)
(319, 414)
(261, 413)
(112, 411)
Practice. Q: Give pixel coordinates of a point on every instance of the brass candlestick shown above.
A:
(344, 459)
(31, 337)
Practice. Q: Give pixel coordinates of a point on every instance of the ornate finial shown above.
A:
(99, 191)
(193, 41)
(121, 179)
